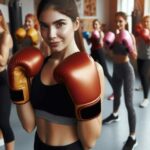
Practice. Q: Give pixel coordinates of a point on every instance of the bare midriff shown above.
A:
(56, 134)
(120, 58)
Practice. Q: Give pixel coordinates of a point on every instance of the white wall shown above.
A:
(147, 7)
(103, 11)
(27, 7)
(127, 6)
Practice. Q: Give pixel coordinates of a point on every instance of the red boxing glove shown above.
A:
(79, 73)
(138, 28)
(109, 39)
(25, 64)
(145, 34)
(124, 37)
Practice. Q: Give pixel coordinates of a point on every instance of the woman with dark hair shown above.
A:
(65, 105)
(97, 49)
(123, 47)
(6, 44)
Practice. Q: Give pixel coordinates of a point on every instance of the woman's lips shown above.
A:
(54, 44)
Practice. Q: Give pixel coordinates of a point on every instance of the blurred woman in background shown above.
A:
(143, 61)
(123, 48)
(6, 44)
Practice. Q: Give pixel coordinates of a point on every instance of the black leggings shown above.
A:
(124, 75)
(99, 56)
(5, 108)
(39, 145)
(143, 70)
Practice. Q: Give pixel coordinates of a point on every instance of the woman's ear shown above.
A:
(77, 24)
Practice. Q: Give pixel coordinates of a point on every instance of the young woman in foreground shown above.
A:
(65, 98)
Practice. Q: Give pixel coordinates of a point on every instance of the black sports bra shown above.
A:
(119, 49)
(51, 100)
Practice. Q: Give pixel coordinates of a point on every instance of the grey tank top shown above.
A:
(143, 48)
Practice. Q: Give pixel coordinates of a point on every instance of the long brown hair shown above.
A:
(68, 8)
(3, 22)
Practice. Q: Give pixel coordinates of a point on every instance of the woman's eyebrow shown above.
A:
(55, 22)
(59, 20)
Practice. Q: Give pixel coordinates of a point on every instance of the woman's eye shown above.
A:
(60, 24)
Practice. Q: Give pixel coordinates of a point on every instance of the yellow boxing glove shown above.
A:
(20, 34)
(33, 35)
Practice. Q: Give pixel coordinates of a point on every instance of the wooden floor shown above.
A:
(113, 136)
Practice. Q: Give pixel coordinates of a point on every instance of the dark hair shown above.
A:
(66, 7)
(123, 15)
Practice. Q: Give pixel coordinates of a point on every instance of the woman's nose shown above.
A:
(52, 32)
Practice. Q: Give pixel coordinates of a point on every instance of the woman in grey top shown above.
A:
(143, 61)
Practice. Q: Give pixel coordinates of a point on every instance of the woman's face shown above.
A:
(29, 23)
(57, 29)
(146, 23)
(120, 22)
(96, 25)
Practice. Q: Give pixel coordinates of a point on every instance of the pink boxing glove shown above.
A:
(124, 37)
(109, 39)
(96, 34)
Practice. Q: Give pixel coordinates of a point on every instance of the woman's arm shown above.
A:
(21, 69)
(89, 131)
(92, 128)
(101, 38)
(26, 116)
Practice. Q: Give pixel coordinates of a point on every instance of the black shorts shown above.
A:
(39, 145)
